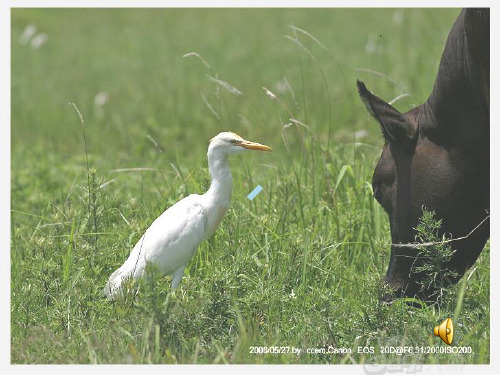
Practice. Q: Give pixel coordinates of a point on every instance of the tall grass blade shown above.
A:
(68, 259)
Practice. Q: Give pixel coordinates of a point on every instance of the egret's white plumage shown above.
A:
(173, 238)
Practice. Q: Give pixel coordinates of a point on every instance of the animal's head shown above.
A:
(227, 143)
(424, 165)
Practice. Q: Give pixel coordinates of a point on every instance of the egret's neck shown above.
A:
(222, 180)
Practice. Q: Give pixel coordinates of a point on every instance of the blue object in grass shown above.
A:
(254, 192)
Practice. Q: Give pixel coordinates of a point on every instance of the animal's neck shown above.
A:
(222, 180)
(460, 96)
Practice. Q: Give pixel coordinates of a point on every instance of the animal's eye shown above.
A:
(376, 191)
(233, 142)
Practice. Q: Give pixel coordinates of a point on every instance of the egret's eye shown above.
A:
(233, 141)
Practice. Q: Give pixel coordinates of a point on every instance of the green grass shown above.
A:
(299, 266)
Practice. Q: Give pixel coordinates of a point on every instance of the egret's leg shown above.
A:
(177, 276)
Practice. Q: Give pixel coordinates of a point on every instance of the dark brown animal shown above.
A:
(437, 155)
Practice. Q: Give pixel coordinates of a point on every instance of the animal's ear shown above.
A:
(394, 126)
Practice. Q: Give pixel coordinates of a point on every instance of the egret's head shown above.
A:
(228, 143)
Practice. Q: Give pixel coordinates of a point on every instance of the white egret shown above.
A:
(173, 238)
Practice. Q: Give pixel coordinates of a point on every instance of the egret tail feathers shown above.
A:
(113, 287)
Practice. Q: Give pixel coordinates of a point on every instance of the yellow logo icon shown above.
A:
(445, 331)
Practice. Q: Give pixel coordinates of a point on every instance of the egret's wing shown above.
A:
(170, 241)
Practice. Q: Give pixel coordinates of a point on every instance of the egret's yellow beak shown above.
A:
(254, 146)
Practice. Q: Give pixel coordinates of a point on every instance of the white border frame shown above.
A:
(5, 19)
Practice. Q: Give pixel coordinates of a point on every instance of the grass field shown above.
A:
(299, 266)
